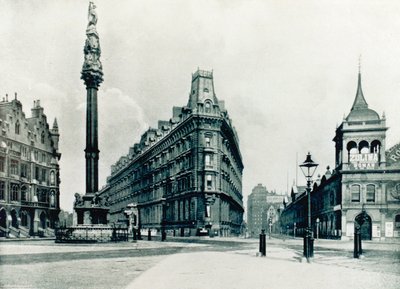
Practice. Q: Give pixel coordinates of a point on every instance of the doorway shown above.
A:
(365, 226)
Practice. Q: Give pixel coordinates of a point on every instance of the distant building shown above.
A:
(263, 210)
(185, 176)
(364, 188)
(65, 219)
(29, 171)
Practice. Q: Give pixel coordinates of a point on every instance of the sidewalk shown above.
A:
(242, 269)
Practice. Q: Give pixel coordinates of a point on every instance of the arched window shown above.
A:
(42, 196)
(375, 146)
(42, 137)
(23, 194)
(207, 106)
(370, 193)
(52, 178)
(14, 192)
(397, 221)
(355, 193)
(2, 190)
(17, 127)
(363, 147)
(352, 147)
(24, 219)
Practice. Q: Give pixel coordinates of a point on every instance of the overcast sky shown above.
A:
(287, 71)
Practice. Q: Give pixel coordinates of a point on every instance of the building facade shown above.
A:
(185, 176)
(29, 171)
(263, 211)
(364, 188)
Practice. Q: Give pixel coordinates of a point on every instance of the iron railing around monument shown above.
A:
(90, 234)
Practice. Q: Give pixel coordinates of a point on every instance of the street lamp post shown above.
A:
(308, 168)
(317, 227)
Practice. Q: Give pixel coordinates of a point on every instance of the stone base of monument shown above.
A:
(91, 223)
(91, 234)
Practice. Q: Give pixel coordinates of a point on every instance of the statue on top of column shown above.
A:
(92, 15)
(92, 72)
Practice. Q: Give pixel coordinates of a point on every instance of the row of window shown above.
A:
(356, 193)
(22, 170)
(42, 194)
(370, 192)
(18, 131)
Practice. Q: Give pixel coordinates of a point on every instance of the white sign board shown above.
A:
(364, 161)
(376, 231)
(389, 229)
(350, 229)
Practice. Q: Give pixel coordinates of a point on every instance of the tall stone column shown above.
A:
(92, 74)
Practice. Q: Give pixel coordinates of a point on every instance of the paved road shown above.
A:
(44, 264)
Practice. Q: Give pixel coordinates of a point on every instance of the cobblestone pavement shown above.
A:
(196, 263)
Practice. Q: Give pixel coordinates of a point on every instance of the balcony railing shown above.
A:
(35, 204)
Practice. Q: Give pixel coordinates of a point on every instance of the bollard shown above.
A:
(149, 235)
(305, 246)
(311, 247)
(357, 242)
(134, 234)
(262, 243)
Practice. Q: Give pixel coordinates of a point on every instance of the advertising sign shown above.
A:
(393, 155)
(364, 161)
(376, 231)
(389, 229)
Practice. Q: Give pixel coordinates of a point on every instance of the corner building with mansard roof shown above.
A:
(29, 171)
(185, 176)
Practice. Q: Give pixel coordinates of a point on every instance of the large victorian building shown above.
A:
(29, 171)
(364, 187)
(185, 176)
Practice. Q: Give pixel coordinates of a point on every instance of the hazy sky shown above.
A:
(287, 71)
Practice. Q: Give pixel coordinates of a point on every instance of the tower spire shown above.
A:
(359, 101)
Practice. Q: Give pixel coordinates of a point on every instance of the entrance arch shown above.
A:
(3, 222)
(24, 218)
(14, 218)
(43, 220)
(365, 226)
(3, 218)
